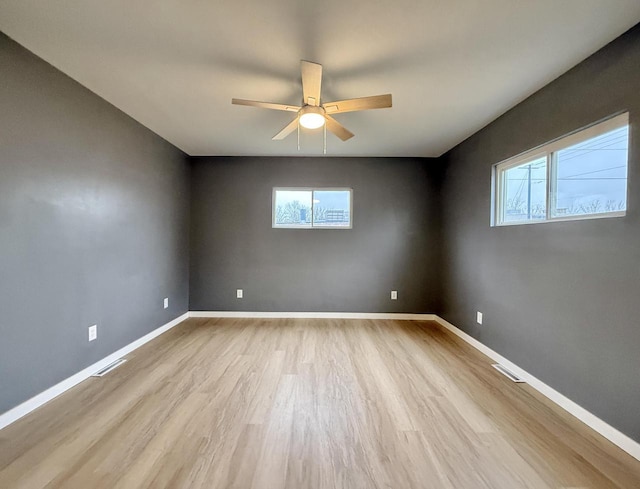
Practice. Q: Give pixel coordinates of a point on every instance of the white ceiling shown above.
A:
(451, 65)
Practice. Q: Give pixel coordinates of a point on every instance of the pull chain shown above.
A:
(298, 134)
(325, 139)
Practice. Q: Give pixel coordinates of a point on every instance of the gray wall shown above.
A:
(394, 243)
(562, 300)
(93, 227)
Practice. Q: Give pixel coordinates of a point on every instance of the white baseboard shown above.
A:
(44, 397)
(313, 315)
(618, 438)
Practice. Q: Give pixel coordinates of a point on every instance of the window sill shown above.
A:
(563, 219)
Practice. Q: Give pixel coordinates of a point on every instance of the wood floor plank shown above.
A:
(307, 404)
(271, 469)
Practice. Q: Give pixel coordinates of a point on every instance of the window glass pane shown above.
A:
(292, 208)
(524, 191)
(592, 176)
(332, 208)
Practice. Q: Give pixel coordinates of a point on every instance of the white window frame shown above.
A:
(310, 189)
(549, 152)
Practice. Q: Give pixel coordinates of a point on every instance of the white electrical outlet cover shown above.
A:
(239, 293)
(479, 317)
(394, 295)
(166, 302)
(93, 332)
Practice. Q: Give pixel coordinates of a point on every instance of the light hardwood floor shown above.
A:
(297, 403)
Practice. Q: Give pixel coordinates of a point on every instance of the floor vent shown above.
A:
(109, 368)
(507, 373)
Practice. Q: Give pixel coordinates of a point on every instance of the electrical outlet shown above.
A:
(239, 294)
(166, 302)
(394, 295)
(479, 317)
(93, 332)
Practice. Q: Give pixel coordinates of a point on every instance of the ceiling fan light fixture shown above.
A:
(312, 117)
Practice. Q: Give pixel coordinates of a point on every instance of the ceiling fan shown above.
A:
(312, 114)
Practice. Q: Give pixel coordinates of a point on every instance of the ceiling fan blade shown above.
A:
(311, 82)
(338, 129)
(289, 128)
(264, 105)
(354, 104)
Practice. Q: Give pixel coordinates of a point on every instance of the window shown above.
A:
(312, 208)
(580, 176)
